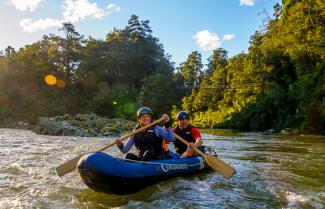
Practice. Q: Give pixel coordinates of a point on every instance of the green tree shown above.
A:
(217, 60)
(191, 70)
(157, 93)
(69, 50)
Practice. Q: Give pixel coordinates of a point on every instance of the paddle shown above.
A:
(71, 165)
(218, 165)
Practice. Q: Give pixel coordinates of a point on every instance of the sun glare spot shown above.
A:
(50, 79)
(60, 83)
(129, 107)
(114, 103)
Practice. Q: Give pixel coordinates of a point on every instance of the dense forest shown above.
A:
(278, 83)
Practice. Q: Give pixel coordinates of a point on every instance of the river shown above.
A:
(273, 171)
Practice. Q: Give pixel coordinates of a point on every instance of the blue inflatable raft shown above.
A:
(105, 173)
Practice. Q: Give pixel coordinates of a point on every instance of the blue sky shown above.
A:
(182, 26)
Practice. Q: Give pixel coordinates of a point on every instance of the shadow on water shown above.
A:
(221, 132)
(286, 149)
(146, 198)
(94, 199)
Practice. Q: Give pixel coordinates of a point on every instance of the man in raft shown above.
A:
(149, 143)
(187, 132)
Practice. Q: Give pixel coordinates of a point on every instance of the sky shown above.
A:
(182, 26)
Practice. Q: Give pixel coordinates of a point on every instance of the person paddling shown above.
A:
(187, 132)
(149, 143)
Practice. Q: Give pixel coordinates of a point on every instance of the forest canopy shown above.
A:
(278, 83)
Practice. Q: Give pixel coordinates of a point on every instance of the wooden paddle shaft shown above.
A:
(217, 164)
(132, 133)
(71, 165)
(185, 142)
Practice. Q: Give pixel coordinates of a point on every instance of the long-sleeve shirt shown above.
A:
(159, 131)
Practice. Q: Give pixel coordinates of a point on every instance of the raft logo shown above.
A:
(169, 167)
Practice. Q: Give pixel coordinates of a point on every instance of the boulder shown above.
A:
(290, 131)
(82, 125)
(270, 131)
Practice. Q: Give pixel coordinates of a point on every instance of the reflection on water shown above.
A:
(273, 171)
(220, 132)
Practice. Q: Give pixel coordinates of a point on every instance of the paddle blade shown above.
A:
(68, 167)
(220, 166)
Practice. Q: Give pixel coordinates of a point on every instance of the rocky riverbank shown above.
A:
(92, 125)
(87, 125)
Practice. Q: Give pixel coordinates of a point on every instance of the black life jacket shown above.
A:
(148, 140)
(185, 134)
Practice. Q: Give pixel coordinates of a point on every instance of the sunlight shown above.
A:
(50, 80)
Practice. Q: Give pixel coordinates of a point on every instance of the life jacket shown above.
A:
(185, 134)
(148, 140)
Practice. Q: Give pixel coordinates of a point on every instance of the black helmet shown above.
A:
(182, 115)
(144, 110)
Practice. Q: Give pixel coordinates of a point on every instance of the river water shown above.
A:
(273, 171)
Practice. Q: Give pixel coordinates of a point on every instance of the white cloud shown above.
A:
(73, 11)
(76, 10)
(30, 26)
(228, 37)
(25, 4)
(112, 7)
(206, 40)
(247, 2)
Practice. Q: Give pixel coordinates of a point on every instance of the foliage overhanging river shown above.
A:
(273, 171)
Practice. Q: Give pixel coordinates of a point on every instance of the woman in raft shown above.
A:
(149, 143)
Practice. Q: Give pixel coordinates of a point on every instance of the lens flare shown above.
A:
(129, 107)
(60, 83)
(50, 79)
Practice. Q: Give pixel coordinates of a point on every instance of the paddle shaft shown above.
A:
(131, 134)
(187, 143)
(217, 164)
(71, 165)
